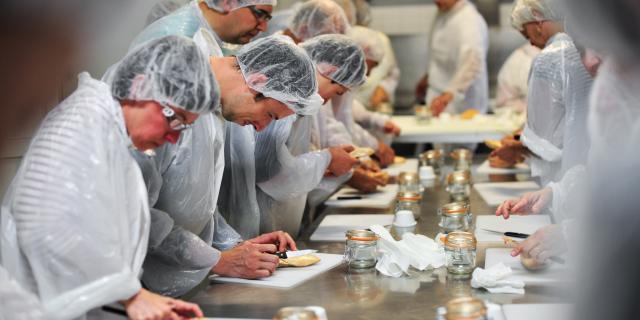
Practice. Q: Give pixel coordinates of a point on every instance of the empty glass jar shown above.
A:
(409, 182)
(361, 249)
(460, 248)
(433, 158)
(455, 216)
(466, 308)
(463, 158)
(409, 201)
(459, 185)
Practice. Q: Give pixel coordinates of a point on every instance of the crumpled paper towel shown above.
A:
(413, 250)
(495, 280)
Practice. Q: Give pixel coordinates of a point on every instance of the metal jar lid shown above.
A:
(462, 154)
(455, 209)
(465, 309)
(361, 235)
(408, 177)
(432, 154)
(409, 196)
(460, 240)
(459, 177)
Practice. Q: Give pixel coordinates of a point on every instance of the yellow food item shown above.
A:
(301, 261)
(531, 264)
(362, 152)
(399, 160)
(493, 144)
(382, 176)
(469, 114)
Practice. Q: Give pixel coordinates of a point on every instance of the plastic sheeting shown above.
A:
(230, 5)
(338, 58)
(75, 219)
(318, 17)
(526, 11)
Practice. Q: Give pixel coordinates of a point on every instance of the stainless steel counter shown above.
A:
(365, 294)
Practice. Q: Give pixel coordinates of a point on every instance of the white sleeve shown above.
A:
(368, 119)
(569, 194)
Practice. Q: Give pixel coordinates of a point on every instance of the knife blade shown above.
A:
(509, 234)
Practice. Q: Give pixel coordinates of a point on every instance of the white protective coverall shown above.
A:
(458, 48)
(513, 80)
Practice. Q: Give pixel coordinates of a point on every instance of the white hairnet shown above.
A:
(288, 72)
(230, 5)
(363, 13)
(610, 27)
(349, 9)
(317, 17)
(370, 42)
(164, 8)
(526, 11)
(338, 58)
(170, 70)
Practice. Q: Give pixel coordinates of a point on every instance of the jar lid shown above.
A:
(406, 177)
(460, 176)
(432, 154)
(361, 235)
(460, 240)
(462, 154)
(455, 208)
(465, 308)
(409, 196)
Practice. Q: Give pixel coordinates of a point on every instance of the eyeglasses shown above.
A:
(176, 122)
(259, 14)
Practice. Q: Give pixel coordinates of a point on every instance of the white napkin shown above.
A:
(495, 280)
(413, 250)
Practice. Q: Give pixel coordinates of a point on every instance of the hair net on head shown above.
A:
(230, 5)
(526, 11)
(363, 13)
(288, 73)
(370, 42)
(338, 58)
(349, 9)
(170, 70)
(317, 17)
(163, 8)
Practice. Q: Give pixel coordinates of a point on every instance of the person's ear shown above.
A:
(326, 68)
(256, 80)
(137, 86)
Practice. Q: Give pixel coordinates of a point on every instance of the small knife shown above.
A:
(509, 234)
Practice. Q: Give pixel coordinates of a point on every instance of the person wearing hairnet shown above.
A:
(75, 219)
(314, 18)
(268, 79)
(457, 77)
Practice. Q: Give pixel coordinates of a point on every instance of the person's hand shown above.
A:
(390, 127)
(366, 181)
(281, 239)
(385, 154)
(440, 103)
(146, 305)
(421, 88)
(370, 165)
(379, 97)
(248, 260)
(545, 243)
(529, 203)
(341, 161)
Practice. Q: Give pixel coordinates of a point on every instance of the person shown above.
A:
(511, 96)
(457, 77)
(268, 79)
(75, 219)
(293, 158)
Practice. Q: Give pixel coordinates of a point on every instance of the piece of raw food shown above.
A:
(301, 261)
(362, 152)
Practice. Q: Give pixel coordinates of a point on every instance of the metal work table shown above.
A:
(366, 294)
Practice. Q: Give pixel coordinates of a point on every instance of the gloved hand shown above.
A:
(341, 161)
(545, 243)
(385, 154)
(248, 260)
(367, 181)
(146, 305)
(280, 238)
(378, 97)
(528, 203)
(439, 104)
(390, 127)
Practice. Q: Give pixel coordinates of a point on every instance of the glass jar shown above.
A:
(301, 313)
(409, 201)
(459, 185)
(463, 158)
(423, 113)
(361, 250)
(433, 158)
(455, 216)
(460, 248)
(466, 308)
(409, 182)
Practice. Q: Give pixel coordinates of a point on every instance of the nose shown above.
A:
(263, 25)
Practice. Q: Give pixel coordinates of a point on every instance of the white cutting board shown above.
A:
(495, 194)
(485, 168)
(519, 224)
(537, 311)
(381, 199)
(285, 278)
(554, 274)
(333, 227)
(411, 165)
